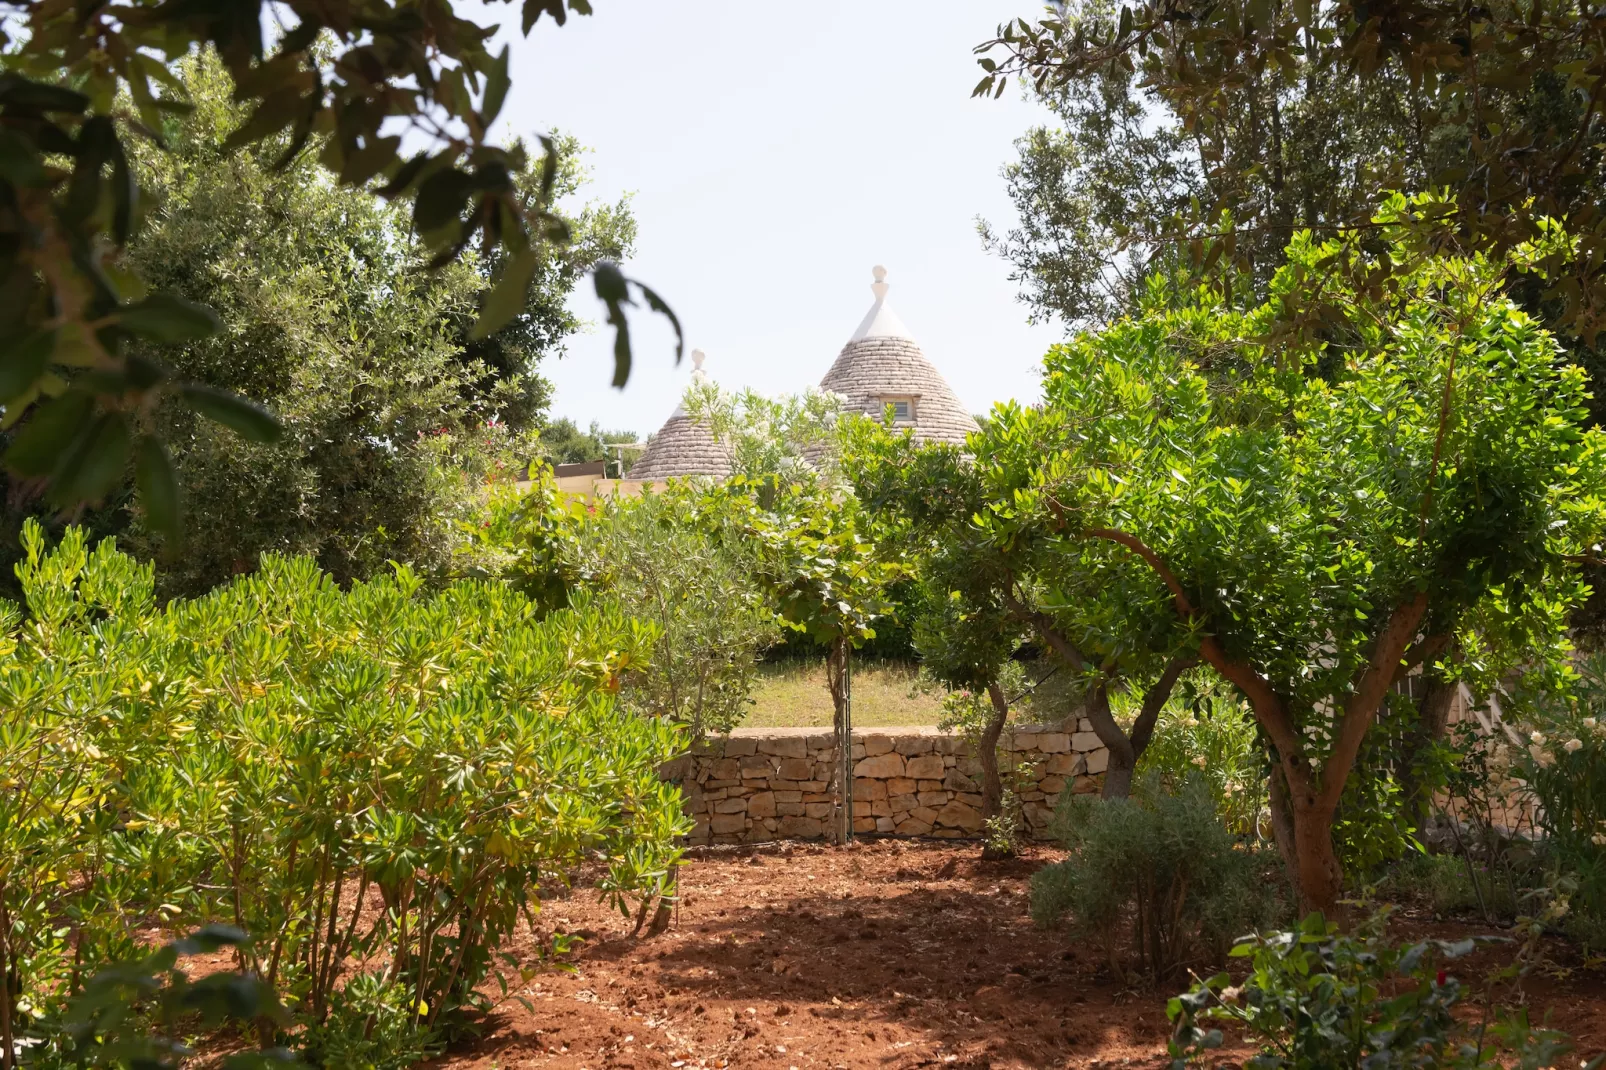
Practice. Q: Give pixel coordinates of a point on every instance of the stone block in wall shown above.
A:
(907, 745)
(1084, 725)
(925, 765)
(957, 815)
(1030, 796)
(885, 824)
(928, 785)
(1021, 740)
(784, 746)
(874, 745)
(1062, 764)
(968, 798)
(762, 804)
(1085, 785)
(880, 808)
(954, 780)
(802, 828)
(726, 769)
(1086, 741)
(756, 768)
(863, 824)
(740, 747)
(881, 766)
(1053, 742)
(798, 768)
(731, 806)
(948, 745)
(719, 785)
(1098, 761)
(857, 752)
(821, 741)
(788, 796)
(968, 766)
(933, 798)
(789, 809)
(725, 824)
(865, 788)
(902, 801)
(912, 826)
(1052, 785)
(924, 813)
(901, 785)
(818, 809)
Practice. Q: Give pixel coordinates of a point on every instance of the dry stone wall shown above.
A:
(767, 784)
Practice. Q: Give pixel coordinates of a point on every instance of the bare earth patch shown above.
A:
(888, 955)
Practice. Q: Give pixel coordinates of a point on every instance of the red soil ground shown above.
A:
(888, 955)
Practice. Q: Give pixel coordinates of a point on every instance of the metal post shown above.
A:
(847, 744)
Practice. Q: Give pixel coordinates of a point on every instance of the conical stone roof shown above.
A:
(683, 447)
(882, 364)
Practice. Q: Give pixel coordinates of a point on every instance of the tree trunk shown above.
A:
(1282, 818)
(1321, 878)
(1433, 717)
(992, 785)
(1123, 760)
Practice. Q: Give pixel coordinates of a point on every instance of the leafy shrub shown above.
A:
(1164, 861)
(668, 562)
(1564, 766)
(1208, 734)
(1318, 999)
(282, 754)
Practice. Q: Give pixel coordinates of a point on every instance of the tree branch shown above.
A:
(1154, 700)
(1368, 695)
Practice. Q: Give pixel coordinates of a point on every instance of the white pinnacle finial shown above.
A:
(879, 287)
(697, 358)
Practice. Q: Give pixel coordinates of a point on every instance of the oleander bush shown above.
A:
(371, 782)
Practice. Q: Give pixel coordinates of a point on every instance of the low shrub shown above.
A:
(1444, 884)
(371, 782)
(1160, 865)
(1209, 734)
(1320, 999)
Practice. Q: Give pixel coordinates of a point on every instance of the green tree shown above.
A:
(355, 78)
(1316, 537)
(1198, 137)
(668, 560)
(988, 583)
(394, 414)
(562, 442)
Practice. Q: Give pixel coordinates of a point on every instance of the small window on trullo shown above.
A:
(903, 409)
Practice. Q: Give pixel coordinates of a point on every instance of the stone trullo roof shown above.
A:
(881, 364)
(683, 447)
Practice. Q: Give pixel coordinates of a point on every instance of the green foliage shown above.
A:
(793, 438)
(1564, 767)
(1206, 134)
(1321, 999)
(1208, 735)
(375, 775)
(665, 561)
(1162, 859)
(393, 416)
(347, 82)
(132, 1013)
(1238, 476)
(561, 442)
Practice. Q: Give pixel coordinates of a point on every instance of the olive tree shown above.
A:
(1328, 516)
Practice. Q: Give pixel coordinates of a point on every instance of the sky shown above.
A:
(776, 152)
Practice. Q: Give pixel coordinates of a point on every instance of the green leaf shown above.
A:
(158, 488)
(246, 418)
(24, 363)
(48, 433)
(19, 160)
(507, 299)
(168, 318)
(496, 86)
(96, 464)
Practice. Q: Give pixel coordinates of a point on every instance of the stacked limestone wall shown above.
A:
(765, 784)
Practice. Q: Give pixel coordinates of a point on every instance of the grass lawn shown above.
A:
(792, 694)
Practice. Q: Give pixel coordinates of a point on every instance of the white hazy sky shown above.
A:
(776, 153)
